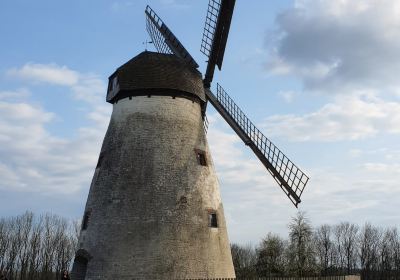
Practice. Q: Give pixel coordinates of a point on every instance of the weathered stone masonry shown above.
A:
(150, 202)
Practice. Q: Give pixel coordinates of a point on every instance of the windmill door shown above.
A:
(80, 267)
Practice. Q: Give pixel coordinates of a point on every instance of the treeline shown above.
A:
(327, 250)
(36, 247)
(41, 247)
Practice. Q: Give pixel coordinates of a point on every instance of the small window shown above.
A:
(100, 161)
(113, 83)
(85, 221)
(201, 157)
(212, 219)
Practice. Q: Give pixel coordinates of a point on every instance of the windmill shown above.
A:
(154, 210)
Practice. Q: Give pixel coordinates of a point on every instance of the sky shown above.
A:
(319, 78)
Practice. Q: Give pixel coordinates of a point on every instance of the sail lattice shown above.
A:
(163, 38)
(289, 177)
(153, 24)
(210, 26)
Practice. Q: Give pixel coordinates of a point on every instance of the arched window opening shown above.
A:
(79, 269)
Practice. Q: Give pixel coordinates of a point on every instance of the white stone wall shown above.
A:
(150, 199)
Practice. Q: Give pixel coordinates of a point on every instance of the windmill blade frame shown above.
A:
(215, 35)
(288, 176)
(163, 38)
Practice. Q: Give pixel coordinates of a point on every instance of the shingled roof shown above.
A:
(151, 70)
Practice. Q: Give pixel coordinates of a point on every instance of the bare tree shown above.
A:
(4, 242)
(395, 243)
(271, 256)
(39, 248)
(324, 247)
(26, 221)
(14, 246)
(339, 252)
(66, 242)
(388, 253)
(369, 240)
(36, 249)
(300, 250)
(349, 244)
(244, 260)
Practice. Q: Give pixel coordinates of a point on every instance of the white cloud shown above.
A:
(90, 89)
(84, 87)
(334, 46)
(253, 200)
(386, 169)
(15, 95)
(392, 155)
(46, 73)
(349, 50)
(21, 112)
(287, 96)
(32, 158)
(346, 118)
(384, 153)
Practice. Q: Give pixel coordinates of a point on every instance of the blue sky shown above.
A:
(317, 77)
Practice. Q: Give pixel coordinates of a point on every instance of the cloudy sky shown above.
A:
(320, 78)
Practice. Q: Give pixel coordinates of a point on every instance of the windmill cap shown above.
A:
(152, 72)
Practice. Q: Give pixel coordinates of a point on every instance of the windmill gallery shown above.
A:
(154, 210)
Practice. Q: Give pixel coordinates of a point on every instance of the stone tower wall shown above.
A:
(148, 209)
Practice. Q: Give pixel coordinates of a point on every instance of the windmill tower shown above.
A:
(154, 210)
